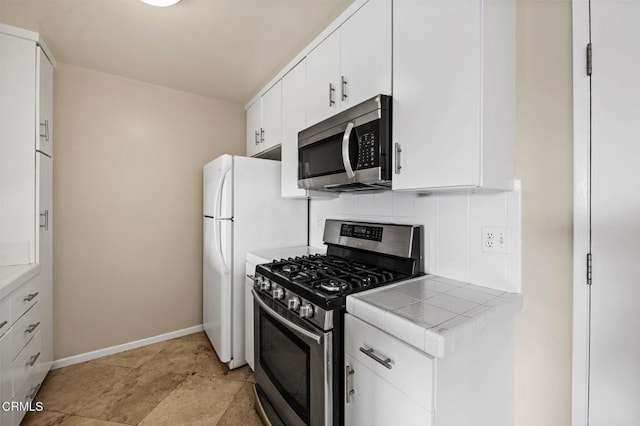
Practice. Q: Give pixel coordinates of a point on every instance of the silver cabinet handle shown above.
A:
(32, 327)
(345, 150)
(46, 130)
(3, 323)
(261, 135)
(30, 297)
(257, 134)
(33, 360)
(370, 353)
(45, 215)
(344, 88)
(331, 91)
(348, 383)
(397, 158)
(285, 322)
(251, 277)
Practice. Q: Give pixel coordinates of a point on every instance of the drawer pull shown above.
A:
(32, 394)
(349, 383)
(30, 297)
(32, 327)
(33, 360)
(370, 353)
(3, 323)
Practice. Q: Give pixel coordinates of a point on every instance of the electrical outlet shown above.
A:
(495, 240)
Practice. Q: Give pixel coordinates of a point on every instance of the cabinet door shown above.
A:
(375, 402)
(365, 55)
(254, 121)
(44, 141)
(437, 93)
(323, 78)
(293, 121)
(271, 130)
(45, 257)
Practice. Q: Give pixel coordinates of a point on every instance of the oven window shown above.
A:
(285, 359)
(321, 158)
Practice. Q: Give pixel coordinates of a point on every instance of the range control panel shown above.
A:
(373, 233)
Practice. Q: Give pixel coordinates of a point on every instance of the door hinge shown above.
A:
(589, 59)
(589, 268)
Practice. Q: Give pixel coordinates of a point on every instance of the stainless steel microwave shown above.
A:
(351, 151)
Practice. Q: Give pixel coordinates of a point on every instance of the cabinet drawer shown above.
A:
(412, 371)
(25, 363)
(24, 329)
(5, 315)
(25, 297)
(26, 396)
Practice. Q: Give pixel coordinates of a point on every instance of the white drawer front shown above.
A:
(411, 370)
(5, 315)
(25, 297)
(26, 396)
(25, 363)
(24, 329)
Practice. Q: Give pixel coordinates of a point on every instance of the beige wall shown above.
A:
(128, 205)
(544, 163)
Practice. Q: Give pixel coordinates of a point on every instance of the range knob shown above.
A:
(278, 293)
(257, 282)
(265, 285)
(293, 303)
(306, 310)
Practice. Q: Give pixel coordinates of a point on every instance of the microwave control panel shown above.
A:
(367, 146)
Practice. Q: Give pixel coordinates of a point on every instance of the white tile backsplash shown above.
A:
(452, 226)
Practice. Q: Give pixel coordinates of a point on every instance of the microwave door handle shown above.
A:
(345, 150)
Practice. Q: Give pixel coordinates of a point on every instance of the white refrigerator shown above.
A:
(243, 211)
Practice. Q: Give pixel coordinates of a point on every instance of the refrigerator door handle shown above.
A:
(217, 237)
(217, 207)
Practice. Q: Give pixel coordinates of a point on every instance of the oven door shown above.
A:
(293, 365)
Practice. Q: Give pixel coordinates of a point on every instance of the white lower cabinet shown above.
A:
(385, 379)
(376, 402)
(22, 350)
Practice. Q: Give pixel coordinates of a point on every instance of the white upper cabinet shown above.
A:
(365, 54)
(254, 122)
(353, 64)
(44, 142)
(453, 94)
(293, 121)
(264, 121)
(323, 77)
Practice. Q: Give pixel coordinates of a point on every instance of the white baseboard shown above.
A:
(88, 356)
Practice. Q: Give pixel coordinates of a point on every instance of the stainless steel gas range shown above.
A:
(299, 306)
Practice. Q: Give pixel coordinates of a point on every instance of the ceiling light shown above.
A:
(161, 3)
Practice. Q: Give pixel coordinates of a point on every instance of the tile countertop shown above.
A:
(268, 256)
(432, 313)
(12, 277)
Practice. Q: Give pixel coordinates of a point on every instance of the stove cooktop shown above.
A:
(326, 280)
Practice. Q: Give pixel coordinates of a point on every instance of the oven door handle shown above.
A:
(345, 150)
(273, 314)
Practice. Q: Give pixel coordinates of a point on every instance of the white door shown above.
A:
(45, 109)
(614, 393)
(361, 48)
(217, 286)
(271, 117)
(217, 188)
(323, 78)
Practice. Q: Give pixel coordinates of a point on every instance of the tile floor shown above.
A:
(176, 382)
